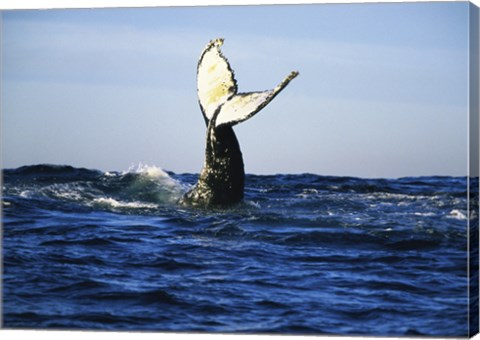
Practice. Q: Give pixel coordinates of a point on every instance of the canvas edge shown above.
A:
(473, 177)
(473, 172)
(1, 170)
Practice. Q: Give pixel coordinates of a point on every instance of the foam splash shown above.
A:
(155, 180)
(71, 192)
(425, 214)
(113, 203)
(457, 214)
(147, 170)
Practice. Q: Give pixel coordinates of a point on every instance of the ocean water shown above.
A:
(303, 254)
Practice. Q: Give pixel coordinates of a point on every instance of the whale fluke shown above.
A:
(217, 89)
(221, 181)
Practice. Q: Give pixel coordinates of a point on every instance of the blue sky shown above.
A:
(382, 90)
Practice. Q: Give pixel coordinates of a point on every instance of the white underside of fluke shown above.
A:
(217, 89)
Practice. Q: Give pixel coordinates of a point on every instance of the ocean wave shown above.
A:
(112, 250)
(140, 187)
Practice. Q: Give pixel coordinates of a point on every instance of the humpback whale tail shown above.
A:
(221, 181)
(217, 89)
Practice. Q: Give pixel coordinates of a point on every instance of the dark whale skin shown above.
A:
(222, 179)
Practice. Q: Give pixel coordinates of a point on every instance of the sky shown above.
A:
(382, 90)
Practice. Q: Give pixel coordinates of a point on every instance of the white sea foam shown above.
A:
(147, 170)
(457, 214)
(153, 172)
(253, 204)
(307, 193)
(70, 192)
(26, 194)
(166, 188)
(113, 203)
(427, 214)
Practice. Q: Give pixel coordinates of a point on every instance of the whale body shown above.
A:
(222, 179)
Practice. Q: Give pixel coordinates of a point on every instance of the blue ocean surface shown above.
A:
(303, 254)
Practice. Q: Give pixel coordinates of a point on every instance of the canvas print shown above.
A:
(280, 169)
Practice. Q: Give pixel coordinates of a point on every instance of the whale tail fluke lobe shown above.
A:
(217, 90)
